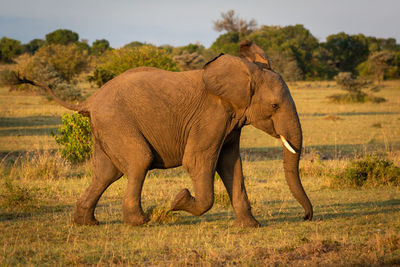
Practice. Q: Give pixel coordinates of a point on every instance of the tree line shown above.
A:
(293, 51)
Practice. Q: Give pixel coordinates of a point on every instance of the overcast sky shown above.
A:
(179, 22)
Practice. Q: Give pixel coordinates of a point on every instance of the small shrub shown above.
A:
(75, 137)
(14, 196)
(312, 165)
(377, 125)
(161, 215)
(354, 88)
(371, 171)
(41, 165)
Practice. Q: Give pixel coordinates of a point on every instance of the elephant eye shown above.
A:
(275, 106)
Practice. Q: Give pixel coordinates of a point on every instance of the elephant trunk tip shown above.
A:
(308, 215)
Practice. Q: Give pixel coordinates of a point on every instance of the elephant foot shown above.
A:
(84, 218)
(247, 222)
(181, 200)
(136, 220)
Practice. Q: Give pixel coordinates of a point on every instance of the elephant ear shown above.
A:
(254, 54)
(229, 78)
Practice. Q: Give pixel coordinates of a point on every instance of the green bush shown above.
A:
(75, 137)
(115, 62)
(371, 171)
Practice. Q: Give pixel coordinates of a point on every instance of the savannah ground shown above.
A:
(350, 227)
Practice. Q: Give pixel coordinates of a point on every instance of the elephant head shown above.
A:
(259, 97)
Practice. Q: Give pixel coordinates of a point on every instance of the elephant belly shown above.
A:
(166, 155)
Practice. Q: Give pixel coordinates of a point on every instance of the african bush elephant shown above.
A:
(148, 118)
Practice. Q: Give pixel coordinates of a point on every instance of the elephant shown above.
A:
(148, 118)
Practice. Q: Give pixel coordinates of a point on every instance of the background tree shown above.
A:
(115, 62)
(322, 65)
(189, 61)
(83, 45)
(226, 43)
(34, 45)
(9, 49)
(191, 56)
(380, 44)
(67, 60)
(37, 67)
(378, 64)
(347, 51)
(290, 42)
(62, 37)
(100, 46)
(231, 22)
(134, 44)
(284, 64)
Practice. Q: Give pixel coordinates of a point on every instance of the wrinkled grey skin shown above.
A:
(148, 118)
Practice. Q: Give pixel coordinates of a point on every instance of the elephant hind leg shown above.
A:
(140, 161)
(105, 173)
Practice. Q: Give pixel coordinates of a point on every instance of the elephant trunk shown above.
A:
(291, 168)
(289, 127)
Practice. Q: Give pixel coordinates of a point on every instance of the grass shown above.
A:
(352, 226)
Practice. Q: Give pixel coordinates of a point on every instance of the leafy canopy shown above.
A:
(117, 61)
(9, 49)
(62, 37)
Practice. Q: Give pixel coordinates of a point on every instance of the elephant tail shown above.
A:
(81, 108)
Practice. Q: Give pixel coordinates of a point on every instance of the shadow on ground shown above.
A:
(29, 126)
(36, 212)
(349, 114)
(324, 151)
(30, 121)
(287, 214)
(337, 210)
(28, 131)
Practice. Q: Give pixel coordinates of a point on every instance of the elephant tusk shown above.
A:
(287, 145)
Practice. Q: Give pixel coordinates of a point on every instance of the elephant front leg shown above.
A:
(229, 168)
(202, 170)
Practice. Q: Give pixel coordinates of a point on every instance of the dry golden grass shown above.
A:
(38, 190)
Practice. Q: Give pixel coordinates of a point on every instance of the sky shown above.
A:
(180, 22)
